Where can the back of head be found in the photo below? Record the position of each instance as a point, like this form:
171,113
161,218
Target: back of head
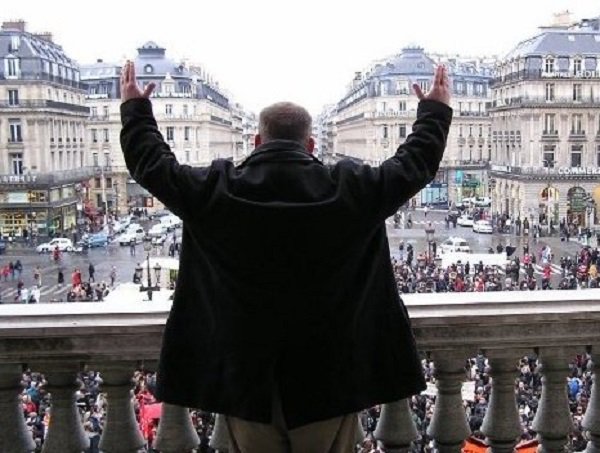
284,121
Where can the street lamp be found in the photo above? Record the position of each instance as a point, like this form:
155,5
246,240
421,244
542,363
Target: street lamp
149,288
430,234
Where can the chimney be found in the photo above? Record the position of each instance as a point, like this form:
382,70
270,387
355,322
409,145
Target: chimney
14,25
562,19
99,60
46,36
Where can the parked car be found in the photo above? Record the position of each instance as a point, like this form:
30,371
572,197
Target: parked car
159,213
63,244
482,202
158,230
171,221
132,234
96,240
159,240
483,226
453,245
465,220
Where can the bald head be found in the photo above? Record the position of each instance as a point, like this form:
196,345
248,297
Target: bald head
284,121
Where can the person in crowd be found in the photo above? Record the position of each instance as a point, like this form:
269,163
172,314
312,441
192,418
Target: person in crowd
278,194
61,277
113,276
91,272
37,276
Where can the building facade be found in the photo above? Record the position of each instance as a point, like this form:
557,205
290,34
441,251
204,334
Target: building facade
44,162
194,116
546,126
376,114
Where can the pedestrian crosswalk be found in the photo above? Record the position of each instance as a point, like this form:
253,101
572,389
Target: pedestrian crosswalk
47,292
537,269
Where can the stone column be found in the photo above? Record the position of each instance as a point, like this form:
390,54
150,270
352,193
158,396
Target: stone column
121,431
65,433
501,424
553,420
220,435
449,427
591,420
176,432
14,435
396,429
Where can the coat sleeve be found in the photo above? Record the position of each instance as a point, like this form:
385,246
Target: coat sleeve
183,189
385,188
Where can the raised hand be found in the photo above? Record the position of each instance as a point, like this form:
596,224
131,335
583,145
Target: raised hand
129,86
440,91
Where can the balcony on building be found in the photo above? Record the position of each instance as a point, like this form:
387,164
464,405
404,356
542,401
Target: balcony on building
122,335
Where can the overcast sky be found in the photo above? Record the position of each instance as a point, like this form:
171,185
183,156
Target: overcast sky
305,51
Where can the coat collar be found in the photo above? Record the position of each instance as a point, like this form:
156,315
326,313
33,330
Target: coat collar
279,150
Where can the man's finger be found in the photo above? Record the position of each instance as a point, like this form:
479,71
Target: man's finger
149,89
132,73
418,92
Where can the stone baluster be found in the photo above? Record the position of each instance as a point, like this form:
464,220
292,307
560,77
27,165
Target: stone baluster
220,435
449,427
14,435
591,420
65,434
552,420
501,424
396,429
176,432
121,432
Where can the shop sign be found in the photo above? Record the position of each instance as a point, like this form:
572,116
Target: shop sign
17,179
579,171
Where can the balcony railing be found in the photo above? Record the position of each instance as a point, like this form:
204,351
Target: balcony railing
540,74
45,104
541,101
45,179
117,338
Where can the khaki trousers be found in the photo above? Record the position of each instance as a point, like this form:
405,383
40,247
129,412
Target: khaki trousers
335,435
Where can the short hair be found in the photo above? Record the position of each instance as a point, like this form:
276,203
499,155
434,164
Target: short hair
284,121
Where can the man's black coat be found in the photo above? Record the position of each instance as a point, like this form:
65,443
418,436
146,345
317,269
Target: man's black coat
285,276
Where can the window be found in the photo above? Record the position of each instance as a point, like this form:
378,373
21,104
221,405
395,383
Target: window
107,159
185,110
95,159
187,155
94,135
549,156
97,183
169,109
549,91
577,66
549,64
94,112
424,85
13,97
576,123
170,133
470,130
12,67
549,119
14,127
105,111
481,130
460,130
106,135
402,87
576,151
577,91
385,132
402,131
402,106
383,88
478,88
16,163
597,155
186,133
460,87
15,43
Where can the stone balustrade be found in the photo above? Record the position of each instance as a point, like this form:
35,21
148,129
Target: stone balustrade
116,338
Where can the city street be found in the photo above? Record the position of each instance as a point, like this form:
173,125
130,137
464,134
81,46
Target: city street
479,243
102,258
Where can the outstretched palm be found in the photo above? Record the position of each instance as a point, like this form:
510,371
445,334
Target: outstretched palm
129,86
440,91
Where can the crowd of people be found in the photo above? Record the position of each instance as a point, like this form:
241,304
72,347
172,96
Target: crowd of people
528,390
422,274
